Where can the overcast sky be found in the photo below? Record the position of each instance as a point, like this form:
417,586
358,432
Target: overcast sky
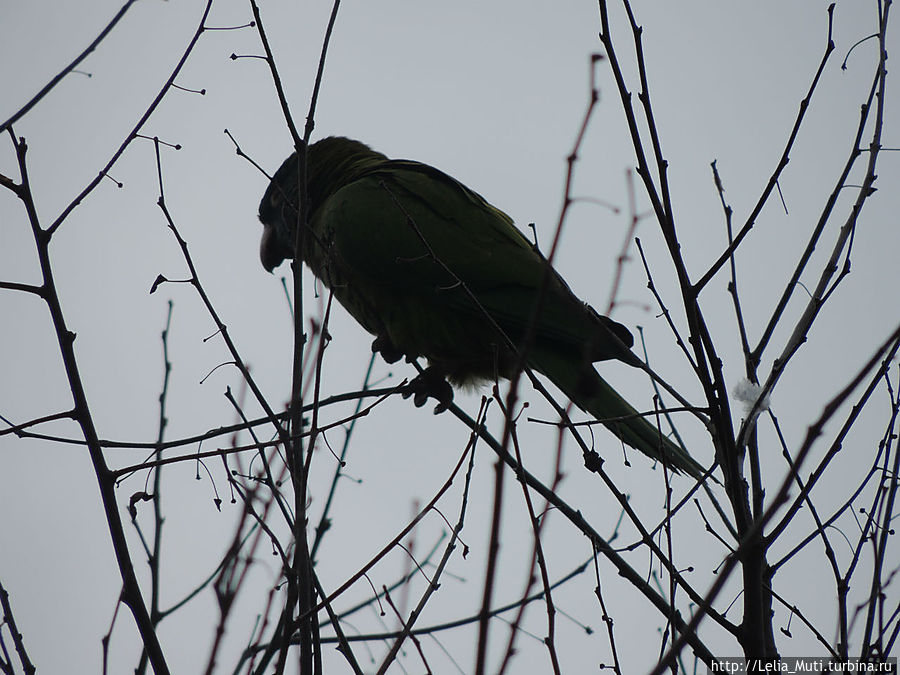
492,93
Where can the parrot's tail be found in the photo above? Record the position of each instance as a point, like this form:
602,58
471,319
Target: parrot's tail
591,393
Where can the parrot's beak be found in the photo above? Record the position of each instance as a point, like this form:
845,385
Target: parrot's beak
271,252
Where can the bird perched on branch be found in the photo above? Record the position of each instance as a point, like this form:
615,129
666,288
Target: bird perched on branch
431,269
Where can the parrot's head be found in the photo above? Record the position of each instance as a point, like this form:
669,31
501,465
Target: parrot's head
330,163
278,213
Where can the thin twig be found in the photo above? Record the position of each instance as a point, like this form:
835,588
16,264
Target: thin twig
47,88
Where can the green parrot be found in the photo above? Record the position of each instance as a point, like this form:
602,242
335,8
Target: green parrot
431,269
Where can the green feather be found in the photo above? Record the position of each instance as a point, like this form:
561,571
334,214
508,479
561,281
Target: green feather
594,395
426,264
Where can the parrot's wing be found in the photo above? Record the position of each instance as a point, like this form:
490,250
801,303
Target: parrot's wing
409,227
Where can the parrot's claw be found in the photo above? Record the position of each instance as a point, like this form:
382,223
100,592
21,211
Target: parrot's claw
430,382
383,345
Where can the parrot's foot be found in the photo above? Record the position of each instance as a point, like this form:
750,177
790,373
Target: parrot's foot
430,382
389,352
